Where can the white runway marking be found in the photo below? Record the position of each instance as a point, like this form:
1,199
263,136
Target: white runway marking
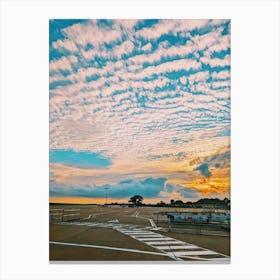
177,247
155,239
132,232
167,245
136,214
219,259
146,234
164,242
114,221
193,253
152,223
108,248
78,214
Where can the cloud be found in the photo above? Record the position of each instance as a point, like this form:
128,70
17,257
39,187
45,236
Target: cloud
144,92
148,188
63,63
95,34
183,80
221,75
66,45
203,169
216,62
220,159
170,66
125,48
170,27
198,77
147,47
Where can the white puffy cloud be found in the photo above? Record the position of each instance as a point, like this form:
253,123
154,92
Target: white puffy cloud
64,63
66,44
170,26
198,76
125,48
132,110
183,80
147,47
221,75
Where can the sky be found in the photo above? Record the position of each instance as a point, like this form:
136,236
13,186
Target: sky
139,107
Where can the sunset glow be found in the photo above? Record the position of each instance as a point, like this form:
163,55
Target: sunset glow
139,107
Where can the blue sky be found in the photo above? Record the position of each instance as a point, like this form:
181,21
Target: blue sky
140,100
81,159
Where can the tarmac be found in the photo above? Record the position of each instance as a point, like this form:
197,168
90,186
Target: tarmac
117,234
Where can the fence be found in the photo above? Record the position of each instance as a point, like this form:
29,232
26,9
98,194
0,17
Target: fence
64,215
195,222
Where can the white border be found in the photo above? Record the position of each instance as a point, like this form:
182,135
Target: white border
24,137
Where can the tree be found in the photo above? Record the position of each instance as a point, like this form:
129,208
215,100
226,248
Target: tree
178,202
161,203
136,199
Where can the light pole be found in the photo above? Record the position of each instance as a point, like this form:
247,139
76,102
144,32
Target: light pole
123,196
106,189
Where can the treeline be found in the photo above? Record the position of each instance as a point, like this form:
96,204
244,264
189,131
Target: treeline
201,203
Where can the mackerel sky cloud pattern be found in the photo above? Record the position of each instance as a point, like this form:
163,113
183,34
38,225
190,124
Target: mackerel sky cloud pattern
142,101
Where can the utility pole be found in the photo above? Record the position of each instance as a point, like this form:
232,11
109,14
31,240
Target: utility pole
106,189
123,196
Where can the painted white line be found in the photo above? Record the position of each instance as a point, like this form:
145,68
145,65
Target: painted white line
155,239
133,232
219,259
89,216
164,242
147,233
160,242
152,223
193,253
176,247
71,215
114,221
145,236
106,226
135,214
137,232
109,248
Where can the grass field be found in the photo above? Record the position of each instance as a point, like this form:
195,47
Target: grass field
128,234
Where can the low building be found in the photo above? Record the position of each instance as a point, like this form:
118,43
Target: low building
198,217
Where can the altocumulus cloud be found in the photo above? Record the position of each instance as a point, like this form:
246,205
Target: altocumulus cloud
219,160
148,92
